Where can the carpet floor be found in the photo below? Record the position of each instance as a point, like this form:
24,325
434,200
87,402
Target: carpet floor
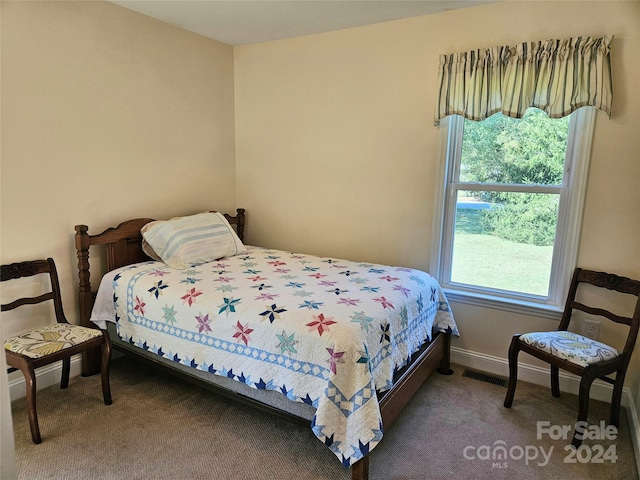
160,427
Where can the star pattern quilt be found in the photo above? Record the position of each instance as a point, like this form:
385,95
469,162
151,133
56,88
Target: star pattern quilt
322,331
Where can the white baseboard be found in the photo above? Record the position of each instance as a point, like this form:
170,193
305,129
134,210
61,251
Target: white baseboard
45,377
540,376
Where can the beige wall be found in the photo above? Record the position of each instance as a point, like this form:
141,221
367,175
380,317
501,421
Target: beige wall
107,115
336,150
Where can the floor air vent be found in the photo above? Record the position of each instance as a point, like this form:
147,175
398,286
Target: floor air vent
485,378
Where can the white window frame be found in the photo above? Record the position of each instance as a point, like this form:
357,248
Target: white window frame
570,210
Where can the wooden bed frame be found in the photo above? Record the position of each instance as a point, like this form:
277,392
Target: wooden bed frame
123,246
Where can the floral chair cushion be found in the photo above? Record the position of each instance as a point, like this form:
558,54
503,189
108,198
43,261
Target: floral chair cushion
50,339
570,346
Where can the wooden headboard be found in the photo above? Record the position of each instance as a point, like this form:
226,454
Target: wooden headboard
123,246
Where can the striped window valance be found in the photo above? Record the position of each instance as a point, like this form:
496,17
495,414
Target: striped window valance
556,76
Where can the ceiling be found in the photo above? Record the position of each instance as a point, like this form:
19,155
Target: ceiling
240,22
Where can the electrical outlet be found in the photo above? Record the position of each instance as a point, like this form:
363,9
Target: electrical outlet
590,328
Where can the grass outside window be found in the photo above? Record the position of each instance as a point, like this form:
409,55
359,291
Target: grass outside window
484,259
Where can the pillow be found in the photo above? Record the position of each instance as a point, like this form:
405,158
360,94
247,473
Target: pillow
185,241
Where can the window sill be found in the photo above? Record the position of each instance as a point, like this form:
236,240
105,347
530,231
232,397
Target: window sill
523,307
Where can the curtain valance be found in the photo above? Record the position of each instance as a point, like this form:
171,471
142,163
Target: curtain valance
557,76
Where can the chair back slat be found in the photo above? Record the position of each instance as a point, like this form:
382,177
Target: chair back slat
602,313
28,301
610,281
23,269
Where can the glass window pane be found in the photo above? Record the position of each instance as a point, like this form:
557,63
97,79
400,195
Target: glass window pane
504,240
526,151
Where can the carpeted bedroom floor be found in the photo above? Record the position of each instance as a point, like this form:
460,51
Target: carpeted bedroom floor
163,428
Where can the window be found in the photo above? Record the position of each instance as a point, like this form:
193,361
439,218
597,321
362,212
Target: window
509,208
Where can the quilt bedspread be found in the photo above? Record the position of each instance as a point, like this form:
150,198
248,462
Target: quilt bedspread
322,331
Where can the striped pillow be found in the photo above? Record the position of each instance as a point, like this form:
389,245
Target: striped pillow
185,241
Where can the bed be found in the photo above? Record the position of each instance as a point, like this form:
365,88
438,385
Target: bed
340,345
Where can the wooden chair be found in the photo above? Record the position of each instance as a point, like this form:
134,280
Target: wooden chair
45,345
580,355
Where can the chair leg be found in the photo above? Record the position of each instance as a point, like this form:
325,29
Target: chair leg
583,408
615,400
555,381
30,385
514,349
106,360
66,368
